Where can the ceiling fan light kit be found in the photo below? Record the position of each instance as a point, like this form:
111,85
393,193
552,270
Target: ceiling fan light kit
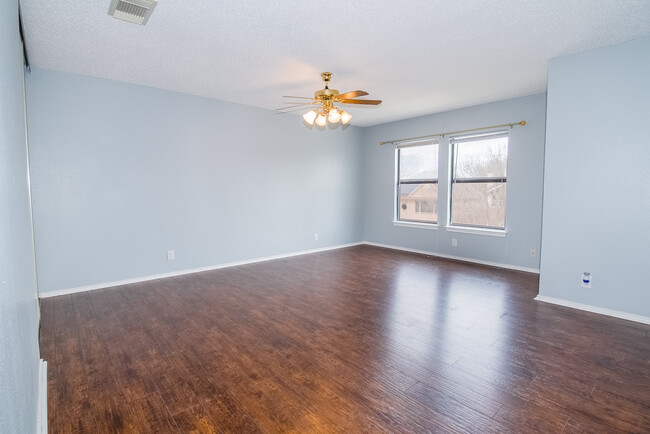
334,116
327,111
310,117
345,117
321,120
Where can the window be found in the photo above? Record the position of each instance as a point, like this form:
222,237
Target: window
478,180
417,182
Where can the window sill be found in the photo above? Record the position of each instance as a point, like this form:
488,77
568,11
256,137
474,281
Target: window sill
432,226
478,231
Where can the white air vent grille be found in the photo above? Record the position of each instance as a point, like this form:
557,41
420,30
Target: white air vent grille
129,8
133,11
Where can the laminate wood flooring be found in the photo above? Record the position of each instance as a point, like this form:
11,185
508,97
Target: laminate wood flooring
361,339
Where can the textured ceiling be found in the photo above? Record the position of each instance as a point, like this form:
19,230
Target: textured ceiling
420,57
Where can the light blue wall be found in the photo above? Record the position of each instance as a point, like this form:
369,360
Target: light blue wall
596,194
122,173
19,353
524,194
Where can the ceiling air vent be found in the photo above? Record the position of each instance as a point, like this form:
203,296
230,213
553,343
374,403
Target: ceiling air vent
133,11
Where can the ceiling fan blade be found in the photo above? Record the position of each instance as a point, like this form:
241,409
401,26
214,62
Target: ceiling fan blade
361,101
352,94
299,97
295,109
297,105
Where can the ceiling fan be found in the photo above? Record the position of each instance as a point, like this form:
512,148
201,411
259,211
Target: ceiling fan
324,101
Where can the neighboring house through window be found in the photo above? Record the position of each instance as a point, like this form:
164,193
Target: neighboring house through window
417,182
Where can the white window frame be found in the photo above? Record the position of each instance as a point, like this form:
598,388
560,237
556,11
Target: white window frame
456,227
397,183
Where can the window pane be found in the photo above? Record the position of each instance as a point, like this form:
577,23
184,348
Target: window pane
482,158
479,204
418,162
417,202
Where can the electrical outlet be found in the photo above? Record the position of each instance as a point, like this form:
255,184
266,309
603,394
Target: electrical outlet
585,282
315,237
533,253
170,255
454,242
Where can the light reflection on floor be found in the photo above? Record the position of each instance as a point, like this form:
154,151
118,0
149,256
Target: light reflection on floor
439,318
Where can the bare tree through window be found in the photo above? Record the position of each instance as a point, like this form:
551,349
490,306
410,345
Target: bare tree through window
478,184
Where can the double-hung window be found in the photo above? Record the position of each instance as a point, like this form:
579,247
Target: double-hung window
417,182
479,167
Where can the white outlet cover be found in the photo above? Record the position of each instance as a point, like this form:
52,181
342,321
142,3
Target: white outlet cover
170,255
454,242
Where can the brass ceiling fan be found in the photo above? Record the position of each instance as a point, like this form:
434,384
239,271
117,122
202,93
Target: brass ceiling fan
324,100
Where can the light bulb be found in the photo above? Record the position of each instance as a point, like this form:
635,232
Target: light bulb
345,117
334,116
321,120
309,117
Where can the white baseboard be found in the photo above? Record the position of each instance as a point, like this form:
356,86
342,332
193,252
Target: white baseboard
456,258
41,417
594,309
66,291
188,271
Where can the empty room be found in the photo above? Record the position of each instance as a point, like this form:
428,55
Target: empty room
264,217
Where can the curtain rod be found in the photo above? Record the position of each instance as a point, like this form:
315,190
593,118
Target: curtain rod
454,132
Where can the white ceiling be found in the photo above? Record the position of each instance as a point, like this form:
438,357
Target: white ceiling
419,57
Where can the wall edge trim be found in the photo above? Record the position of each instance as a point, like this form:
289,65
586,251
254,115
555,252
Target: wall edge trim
85,288
456,258
41,416
594,309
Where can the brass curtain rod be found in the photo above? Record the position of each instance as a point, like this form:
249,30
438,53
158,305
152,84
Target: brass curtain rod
454,132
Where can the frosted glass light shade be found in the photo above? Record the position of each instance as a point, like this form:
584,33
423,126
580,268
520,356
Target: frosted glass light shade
321,120
334,116
345,117
309,117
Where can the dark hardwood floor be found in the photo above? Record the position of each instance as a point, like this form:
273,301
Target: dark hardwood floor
361,339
